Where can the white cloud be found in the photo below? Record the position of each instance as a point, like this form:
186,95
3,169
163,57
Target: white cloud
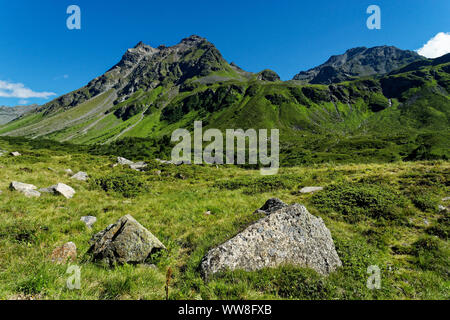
23,101
18,90
436,46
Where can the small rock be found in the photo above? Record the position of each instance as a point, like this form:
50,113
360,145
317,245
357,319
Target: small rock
89,220
15,154
124,161
47,190
208,213
30,193
69,171
67,252
64,190
310,189
446,199
81,176
426,222
271,205
126,241
443,208
138,166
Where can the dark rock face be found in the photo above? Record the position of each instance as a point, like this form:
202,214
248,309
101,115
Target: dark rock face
268,75
289,236
359,62
125,241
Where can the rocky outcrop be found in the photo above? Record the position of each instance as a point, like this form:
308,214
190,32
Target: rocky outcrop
289,236
125,241
359,62
268,75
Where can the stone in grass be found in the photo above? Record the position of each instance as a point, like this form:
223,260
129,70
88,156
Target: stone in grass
271,205
289,236
28,190
19,186
446,199
138,166
80,176
89,221
65,253
47,190
125,241
124,161
310,189
15,154
69,171
64,190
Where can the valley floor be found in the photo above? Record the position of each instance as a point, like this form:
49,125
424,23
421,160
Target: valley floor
378,214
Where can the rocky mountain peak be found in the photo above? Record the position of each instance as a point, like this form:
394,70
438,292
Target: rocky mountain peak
359,62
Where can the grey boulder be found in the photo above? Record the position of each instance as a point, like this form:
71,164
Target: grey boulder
125,241
289,236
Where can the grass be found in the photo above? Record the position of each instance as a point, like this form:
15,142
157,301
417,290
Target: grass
378,214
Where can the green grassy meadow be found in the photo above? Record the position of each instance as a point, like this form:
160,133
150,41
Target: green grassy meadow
383,214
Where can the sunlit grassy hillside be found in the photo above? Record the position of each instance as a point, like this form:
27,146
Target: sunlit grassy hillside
379,214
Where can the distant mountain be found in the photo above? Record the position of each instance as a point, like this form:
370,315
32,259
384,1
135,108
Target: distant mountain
8,114
153,91
359,62
144,68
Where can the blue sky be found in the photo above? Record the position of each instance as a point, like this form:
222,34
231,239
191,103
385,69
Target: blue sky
40,56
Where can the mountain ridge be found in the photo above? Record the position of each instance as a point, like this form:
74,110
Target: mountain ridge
358,62
152,91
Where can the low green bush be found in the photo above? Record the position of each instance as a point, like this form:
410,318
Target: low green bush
127,184
252,185
356,201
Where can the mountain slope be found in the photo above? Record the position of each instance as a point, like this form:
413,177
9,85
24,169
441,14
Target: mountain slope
152,92
359,62
8,114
